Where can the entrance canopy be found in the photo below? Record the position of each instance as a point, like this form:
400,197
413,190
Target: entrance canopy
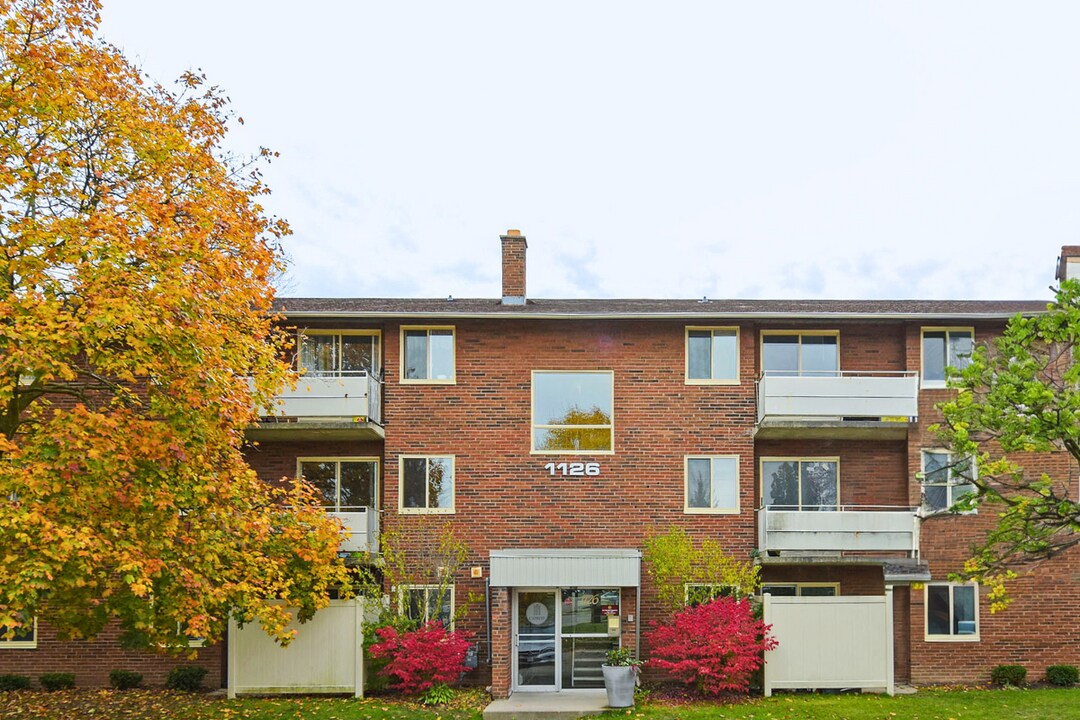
566,568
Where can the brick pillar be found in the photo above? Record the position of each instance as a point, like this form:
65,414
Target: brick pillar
513,267
501,629
902,633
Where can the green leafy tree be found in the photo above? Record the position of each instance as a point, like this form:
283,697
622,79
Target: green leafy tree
136,341
687,574
1020,399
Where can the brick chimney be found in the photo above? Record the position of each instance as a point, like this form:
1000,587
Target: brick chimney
513,267
1068,263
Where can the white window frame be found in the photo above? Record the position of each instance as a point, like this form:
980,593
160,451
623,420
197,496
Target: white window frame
533,426
312,332
402,591
452,380
950,637
339,460
715,590
21,644
427,510
801,334
937,384
713,330
949,485
797,459
800,586
687,509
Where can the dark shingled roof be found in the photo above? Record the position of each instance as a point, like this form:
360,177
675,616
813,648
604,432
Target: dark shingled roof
474,307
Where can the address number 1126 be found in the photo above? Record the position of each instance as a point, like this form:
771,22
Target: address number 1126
590,469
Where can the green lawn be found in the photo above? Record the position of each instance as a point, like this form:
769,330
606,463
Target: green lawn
927,705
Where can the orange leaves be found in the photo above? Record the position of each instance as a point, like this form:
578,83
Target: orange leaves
134,303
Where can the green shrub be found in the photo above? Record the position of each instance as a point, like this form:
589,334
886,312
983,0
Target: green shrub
125,679
57,681
1008,675
14,682
437,695
186,677
1062,675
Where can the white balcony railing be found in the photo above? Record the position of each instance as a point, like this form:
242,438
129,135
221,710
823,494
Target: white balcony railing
838,395
873,528
329,398
362,525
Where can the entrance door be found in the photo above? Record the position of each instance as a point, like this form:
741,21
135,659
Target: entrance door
562,637
535,623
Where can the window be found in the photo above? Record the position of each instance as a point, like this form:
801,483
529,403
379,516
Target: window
427,484
338,353
712,484
946,478
800,483
944,347
21,638
345,484
800,353
701,593
801,589
427,355
572,412
952,612
712,356
428,602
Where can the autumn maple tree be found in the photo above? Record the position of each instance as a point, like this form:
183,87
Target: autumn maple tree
135,342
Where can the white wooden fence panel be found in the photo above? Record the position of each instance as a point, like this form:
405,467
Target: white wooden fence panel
830,642
325,657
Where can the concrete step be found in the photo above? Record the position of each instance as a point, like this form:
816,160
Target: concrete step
563,705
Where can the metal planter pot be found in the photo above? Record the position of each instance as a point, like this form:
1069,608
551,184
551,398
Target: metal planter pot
619,681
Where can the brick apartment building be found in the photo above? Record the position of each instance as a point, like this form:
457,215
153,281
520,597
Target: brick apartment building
554,435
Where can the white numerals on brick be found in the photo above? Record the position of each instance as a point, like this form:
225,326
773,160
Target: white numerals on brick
576,469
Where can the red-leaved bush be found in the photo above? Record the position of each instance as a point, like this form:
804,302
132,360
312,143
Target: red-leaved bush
716,646
421,658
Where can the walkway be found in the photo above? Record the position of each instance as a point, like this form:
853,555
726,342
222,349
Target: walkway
565,705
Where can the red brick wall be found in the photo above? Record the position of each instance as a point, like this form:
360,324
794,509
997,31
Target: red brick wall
506,499
1042,625
92,660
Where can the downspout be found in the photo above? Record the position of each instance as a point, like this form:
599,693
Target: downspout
487,618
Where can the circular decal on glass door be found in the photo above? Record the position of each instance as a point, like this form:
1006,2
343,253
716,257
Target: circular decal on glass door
537,613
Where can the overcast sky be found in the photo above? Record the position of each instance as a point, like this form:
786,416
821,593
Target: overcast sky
745,150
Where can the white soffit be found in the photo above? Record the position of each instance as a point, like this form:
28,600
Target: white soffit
588,568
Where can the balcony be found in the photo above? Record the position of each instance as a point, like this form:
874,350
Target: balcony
363,527
862,528
844,405
346,407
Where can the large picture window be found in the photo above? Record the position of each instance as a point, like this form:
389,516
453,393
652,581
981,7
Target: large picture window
427,484
572,412
952,612
800,483
325,353
712,356
944,347
712,484
427,355
946,478
345,484
800,353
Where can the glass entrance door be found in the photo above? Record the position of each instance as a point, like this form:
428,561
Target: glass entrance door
535,621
